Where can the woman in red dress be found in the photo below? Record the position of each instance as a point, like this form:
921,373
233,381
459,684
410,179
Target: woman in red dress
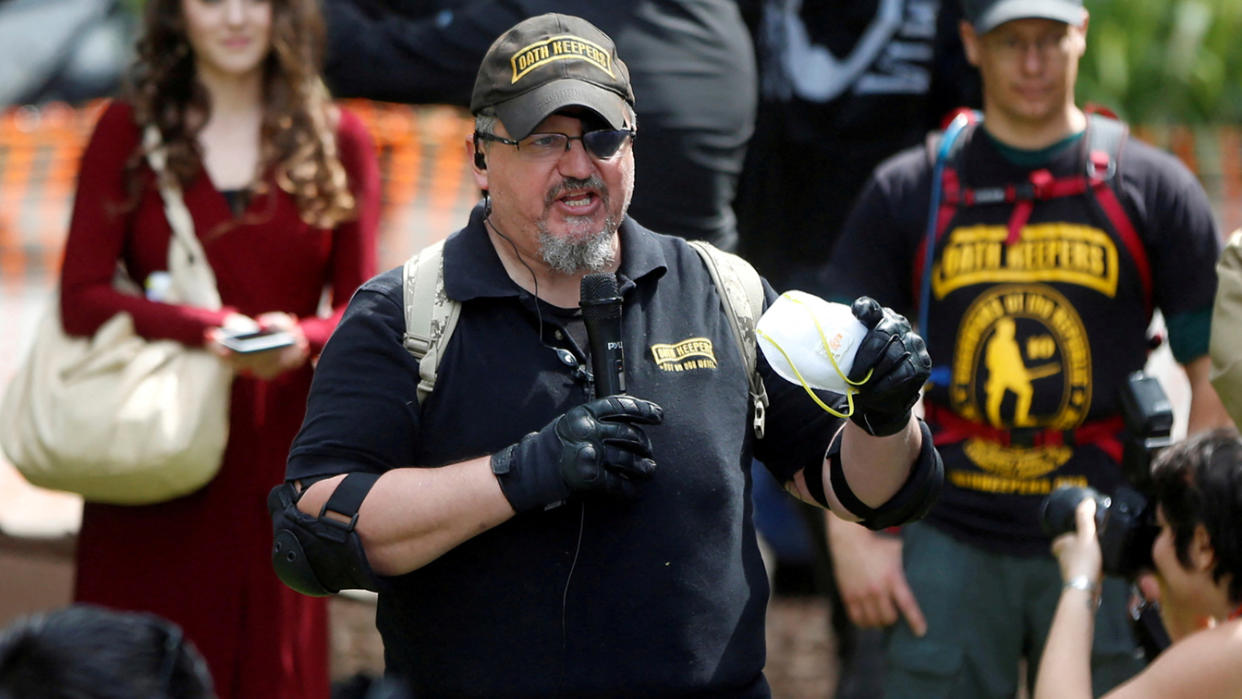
284,192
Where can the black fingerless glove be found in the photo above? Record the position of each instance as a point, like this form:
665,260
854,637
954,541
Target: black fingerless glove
899,364
596,447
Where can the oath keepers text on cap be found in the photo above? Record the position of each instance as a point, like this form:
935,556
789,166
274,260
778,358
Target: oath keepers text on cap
559,48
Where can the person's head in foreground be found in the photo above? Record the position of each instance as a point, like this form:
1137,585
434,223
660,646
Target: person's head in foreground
88,652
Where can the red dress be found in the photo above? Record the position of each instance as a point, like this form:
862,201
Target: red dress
203,560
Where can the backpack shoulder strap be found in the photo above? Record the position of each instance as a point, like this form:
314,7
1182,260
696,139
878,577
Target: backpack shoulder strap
1105,138
741,295
943,152
1105,134
430,315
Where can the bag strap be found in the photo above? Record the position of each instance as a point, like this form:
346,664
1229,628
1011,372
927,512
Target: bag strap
942,152
430,315
741,295
1104,139
193,280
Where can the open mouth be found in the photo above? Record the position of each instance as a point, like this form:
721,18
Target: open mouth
578,200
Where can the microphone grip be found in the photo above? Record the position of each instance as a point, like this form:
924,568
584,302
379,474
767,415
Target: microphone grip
600,302
607,358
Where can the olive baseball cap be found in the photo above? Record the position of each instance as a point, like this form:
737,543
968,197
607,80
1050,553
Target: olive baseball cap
550,62
987,15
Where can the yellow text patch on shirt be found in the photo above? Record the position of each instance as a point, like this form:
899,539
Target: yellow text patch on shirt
1046,252
691,353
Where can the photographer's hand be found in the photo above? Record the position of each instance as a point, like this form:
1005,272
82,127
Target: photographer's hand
1065,666
1078,551
597,447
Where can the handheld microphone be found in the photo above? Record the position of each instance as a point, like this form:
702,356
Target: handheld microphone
601,312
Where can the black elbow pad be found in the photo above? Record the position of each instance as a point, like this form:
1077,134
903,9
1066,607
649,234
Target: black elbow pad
321,555
910,503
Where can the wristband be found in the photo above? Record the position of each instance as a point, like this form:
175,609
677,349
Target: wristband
1084,583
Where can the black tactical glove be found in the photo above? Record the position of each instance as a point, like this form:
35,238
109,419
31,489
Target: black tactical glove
899,364
595,447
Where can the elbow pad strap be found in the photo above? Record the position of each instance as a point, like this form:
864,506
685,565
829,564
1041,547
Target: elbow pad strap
910,503
814,473
321,555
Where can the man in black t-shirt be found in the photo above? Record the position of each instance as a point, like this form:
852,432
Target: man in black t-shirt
843,84
1035,303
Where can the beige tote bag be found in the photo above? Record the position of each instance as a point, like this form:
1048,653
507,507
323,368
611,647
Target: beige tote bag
117,418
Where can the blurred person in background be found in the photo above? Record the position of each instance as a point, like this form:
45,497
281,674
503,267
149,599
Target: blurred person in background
62,50
1197,556
283,189
1227,328
1034,273
843,85
88,652
691,61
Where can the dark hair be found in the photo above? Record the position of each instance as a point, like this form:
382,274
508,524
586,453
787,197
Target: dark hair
88,652
297,134
1199,481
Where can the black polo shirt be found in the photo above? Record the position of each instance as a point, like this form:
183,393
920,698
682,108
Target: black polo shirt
662,595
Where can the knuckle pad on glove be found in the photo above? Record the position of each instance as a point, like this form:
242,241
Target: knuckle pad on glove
867,310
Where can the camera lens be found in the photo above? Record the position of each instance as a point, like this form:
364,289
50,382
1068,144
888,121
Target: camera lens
1057,514
1123,523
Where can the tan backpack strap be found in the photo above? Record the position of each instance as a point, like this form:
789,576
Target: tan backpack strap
430,315
741,294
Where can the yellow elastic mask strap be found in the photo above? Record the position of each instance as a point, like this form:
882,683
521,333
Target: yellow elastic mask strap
823,339
849,394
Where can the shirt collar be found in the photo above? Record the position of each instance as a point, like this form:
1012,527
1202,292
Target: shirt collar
473,270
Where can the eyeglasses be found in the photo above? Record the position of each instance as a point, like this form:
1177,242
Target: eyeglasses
602,144
1011,46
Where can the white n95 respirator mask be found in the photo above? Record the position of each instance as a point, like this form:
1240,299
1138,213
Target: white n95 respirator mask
812,342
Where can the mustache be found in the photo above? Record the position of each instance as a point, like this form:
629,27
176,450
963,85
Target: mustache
572,183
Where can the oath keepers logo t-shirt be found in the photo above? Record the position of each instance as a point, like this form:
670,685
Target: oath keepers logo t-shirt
1022,354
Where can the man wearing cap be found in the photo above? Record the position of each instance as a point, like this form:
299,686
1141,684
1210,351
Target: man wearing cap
527,537
1033,273
692,61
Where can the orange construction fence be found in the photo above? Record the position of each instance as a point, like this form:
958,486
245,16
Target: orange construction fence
426,179
427,186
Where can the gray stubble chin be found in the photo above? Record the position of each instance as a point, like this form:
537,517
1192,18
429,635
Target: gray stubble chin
593,253
590,253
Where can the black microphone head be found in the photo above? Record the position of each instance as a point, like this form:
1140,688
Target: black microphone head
599,291
598,288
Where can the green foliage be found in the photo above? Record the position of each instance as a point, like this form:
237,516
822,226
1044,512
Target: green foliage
1165,61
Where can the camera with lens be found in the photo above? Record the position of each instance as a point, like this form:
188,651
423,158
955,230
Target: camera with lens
1125,521
1125,524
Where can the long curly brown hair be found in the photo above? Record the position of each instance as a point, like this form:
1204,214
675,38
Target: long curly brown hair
297,133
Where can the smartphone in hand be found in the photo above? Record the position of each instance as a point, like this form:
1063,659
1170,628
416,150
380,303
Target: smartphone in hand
256,341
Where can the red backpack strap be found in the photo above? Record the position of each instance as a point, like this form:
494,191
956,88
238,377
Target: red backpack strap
1104,139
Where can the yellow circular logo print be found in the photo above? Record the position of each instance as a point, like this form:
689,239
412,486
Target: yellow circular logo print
1022,360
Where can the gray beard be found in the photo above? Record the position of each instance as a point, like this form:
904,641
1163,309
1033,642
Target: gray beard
592,253
568,256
